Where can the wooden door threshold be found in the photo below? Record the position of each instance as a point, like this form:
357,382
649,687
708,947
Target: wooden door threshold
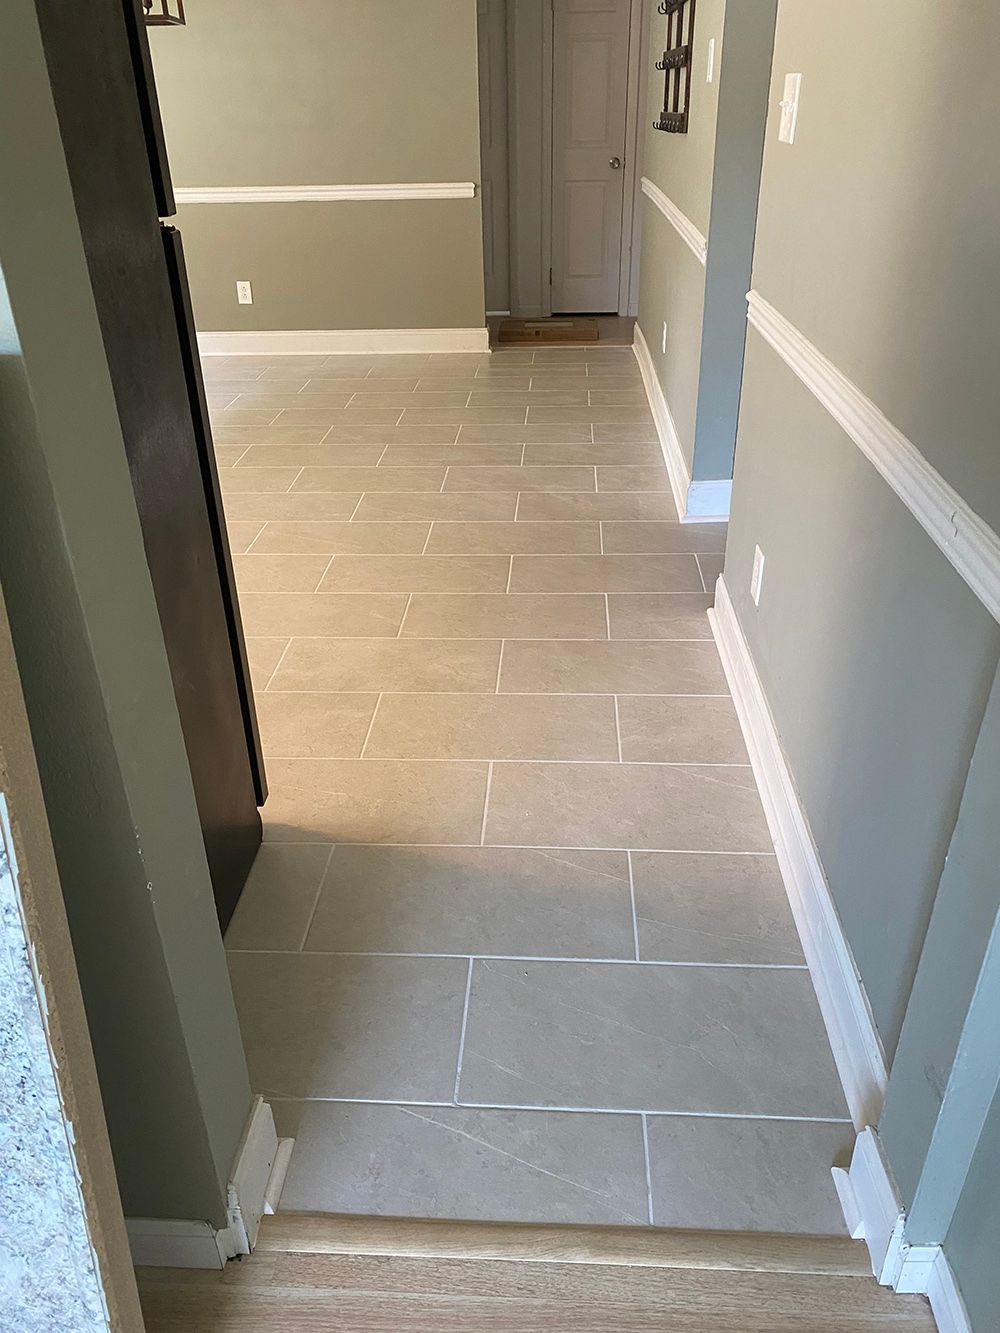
642,1247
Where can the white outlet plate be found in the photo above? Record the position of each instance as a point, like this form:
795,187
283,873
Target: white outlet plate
710,70
244,293
790,108
757,575
663,340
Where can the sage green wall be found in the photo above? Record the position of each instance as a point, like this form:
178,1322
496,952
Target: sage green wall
99,696
973,1239
712,175
876,657
327,92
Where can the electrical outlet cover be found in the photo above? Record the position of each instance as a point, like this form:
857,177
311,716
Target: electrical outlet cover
757,575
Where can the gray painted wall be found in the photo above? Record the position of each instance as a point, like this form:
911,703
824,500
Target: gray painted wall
973,1241
712,175
99,696
327,92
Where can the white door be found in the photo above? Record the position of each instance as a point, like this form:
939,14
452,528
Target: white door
590,42
493,147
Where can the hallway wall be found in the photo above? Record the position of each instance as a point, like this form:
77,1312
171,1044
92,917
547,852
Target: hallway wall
327,92
711,175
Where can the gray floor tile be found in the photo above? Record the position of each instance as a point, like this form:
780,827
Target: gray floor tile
501,1166
316,1025
693,908
278,898
747,1175
646,1037
676,615
687,730
484,900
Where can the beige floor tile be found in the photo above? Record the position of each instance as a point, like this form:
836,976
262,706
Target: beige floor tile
352,384
476,508
544,616
712,909
322,614
428,399
513,538
369,479
257,478
416,416
608,416
632,433
417,573
632,479
323,416
478,455
389,664
242,535
228,455
277,902
489,726
604,573
483,382
484,900
520,479
541,397
501,434
263,655
617,397
321,726
269,507
354,432
681,730
611,667
269,396
711,569
245,416
636,537
337,538
368,800
279,573
312,455
747,1175
614,380
707,1039
660,616
628,455
434,1161
569,508
626,805
226,435
227,368
319,1026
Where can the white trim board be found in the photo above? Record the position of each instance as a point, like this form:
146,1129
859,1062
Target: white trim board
254,1188
966,539
367,342
874,1212
321,194
681,223
696,501
842,1000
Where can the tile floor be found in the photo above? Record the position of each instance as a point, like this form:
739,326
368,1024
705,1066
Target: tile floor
516,946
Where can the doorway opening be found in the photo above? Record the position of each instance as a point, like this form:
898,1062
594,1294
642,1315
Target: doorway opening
560,90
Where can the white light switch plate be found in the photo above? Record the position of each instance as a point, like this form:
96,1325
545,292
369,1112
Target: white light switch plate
790,108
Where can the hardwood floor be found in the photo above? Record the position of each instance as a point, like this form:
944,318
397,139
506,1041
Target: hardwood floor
311,1274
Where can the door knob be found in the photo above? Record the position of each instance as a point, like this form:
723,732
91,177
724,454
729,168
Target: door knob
615,162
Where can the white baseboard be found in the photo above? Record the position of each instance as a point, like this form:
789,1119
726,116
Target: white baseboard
696,501
842,1000
874,1212
255,1184
326,342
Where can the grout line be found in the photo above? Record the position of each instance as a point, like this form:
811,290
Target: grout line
649,1175
542,847
381,455
356,507
399,633
631,897
485,759
257,538
371,723
288,488
486,804
444,482
600,529
277,665
510,574
465,1024
704,586
517,506
618,728
607,619
322,576
572,1110
528,957
499,668
430,529
319,891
